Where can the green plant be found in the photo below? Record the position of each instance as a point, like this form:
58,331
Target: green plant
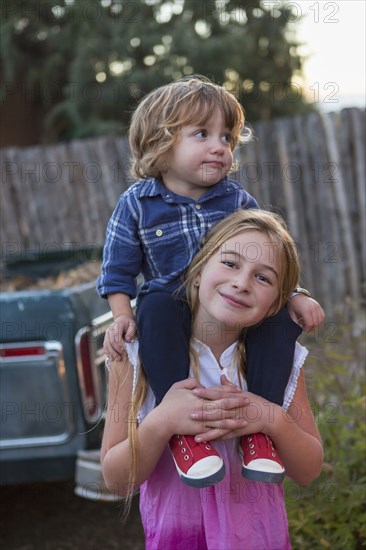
88,62
331,512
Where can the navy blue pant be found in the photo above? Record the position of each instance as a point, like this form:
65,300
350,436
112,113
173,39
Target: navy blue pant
164,327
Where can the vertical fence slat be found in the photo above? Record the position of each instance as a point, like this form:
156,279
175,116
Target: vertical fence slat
98,171
111,173
11,236
248,174
263,167
319,160
15,157
295,174
307,203
80,190
32,189
342,205
67,208
286,183
47,198
358,141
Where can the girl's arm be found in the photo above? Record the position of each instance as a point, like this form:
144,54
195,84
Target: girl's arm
173,415
296,437
152,433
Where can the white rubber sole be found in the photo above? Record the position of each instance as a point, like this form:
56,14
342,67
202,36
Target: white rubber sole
205,474
263,470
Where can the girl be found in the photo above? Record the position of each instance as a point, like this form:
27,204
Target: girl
244,272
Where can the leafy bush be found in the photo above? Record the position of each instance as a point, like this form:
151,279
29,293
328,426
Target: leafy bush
331,512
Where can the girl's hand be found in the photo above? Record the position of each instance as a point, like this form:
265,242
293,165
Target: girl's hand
251,412
221,411
178,407
122,329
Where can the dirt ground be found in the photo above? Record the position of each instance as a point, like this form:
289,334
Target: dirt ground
48,516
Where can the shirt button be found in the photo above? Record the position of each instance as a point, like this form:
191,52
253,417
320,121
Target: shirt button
158,232
198,207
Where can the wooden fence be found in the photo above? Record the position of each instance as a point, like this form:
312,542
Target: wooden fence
310,169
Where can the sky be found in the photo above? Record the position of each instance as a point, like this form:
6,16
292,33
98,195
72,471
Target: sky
334,43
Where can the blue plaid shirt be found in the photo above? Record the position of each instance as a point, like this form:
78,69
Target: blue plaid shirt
156,233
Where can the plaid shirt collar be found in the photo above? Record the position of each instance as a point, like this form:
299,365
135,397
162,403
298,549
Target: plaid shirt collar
153,187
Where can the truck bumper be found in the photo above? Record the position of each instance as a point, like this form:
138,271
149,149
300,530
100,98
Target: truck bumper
89,478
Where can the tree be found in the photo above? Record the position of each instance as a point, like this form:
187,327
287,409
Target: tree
88,62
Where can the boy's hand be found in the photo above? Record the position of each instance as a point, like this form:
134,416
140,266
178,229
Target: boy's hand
122,329
306,312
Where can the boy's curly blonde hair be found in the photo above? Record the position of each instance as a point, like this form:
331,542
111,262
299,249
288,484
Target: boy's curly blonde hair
163,112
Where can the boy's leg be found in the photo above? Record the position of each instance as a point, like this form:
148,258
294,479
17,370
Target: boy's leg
164,331
164,325
270,349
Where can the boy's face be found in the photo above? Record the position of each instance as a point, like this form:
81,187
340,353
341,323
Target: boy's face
200,158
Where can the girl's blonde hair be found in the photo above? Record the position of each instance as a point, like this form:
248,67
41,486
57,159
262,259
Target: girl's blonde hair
161,114
284,247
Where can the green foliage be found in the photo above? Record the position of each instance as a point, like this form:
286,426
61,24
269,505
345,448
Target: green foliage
331,512
89,61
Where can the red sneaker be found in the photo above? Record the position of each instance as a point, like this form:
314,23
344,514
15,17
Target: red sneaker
260,459
198,464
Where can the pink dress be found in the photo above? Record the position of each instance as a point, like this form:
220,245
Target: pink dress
235,514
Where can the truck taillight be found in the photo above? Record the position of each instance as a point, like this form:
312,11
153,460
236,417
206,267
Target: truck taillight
86,366
15,352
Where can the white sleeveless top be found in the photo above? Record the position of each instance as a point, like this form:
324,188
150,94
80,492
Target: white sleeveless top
210,371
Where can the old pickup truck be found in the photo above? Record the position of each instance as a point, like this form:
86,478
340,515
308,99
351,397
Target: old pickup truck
52,368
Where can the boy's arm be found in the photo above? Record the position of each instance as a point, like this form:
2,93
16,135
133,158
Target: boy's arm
122,260
306,311
122,253
120,305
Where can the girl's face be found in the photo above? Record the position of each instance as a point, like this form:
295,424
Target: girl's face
237,286
200,158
